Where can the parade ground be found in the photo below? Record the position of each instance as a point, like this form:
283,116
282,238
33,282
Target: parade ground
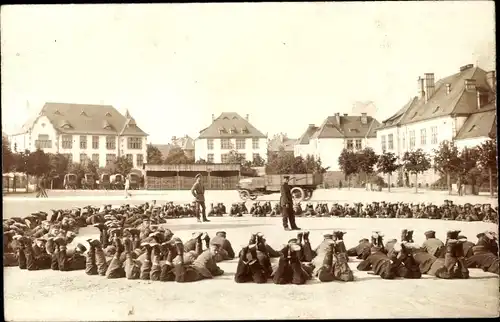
64,296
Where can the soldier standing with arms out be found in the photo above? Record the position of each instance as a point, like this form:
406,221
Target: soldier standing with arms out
198,192
286,203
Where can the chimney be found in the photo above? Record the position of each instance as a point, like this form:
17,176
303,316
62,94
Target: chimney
345,114
491,80
248,117
466,67
364,118
429,85
470,85
337,117
421,89
448,89
213,117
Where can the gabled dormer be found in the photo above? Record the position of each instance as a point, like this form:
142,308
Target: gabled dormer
106,125
65,125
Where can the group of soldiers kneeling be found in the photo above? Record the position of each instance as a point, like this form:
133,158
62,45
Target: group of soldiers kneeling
447,211
132,246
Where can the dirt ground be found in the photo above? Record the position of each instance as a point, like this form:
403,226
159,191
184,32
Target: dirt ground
70,296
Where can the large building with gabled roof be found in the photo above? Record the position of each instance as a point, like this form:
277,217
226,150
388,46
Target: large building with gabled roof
230,132
460,108
83,132
354,132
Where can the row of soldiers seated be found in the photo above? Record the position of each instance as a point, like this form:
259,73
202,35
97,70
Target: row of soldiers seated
131,246
447,211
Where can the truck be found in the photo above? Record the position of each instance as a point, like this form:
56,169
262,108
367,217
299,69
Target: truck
302,185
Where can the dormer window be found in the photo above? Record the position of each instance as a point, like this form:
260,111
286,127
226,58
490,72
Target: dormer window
83,113
108,114
107,126
436,109
57,112
225,118
65,125
235,117
222,130
353,130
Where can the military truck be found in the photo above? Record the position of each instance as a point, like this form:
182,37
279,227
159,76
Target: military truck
303,185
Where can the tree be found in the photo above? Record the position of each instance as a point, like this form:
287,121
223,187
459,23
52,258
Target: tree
416,162
348,164
258,161
387,164
487,160
235,157
38,164
8,160
78,169
177,156
366,160
201,161
446,161
467,162
123,166
154,155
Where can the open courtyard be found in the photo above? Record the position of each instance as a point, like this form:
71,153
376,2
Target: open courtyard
63,296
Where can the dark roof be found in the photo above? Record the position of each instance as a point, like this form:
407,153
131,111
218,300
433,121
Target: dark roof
85,118
230,125
185,142
479,124
304,138
458,101
347,127
278,142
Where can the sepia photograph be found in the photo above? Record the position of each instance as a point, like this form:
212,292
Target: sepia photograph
242,161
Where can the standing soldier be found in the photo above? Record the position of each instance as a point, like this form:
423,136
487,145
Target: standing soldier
198,192
127,187
286,204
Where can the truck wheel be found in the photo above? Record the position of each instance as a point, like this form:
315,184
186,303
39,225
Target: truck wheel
308,194
297,194
244,194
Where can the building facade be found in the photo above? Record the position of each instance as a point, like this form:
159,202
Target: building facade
186,143
336,133
281,143
83,132
459,108
230,132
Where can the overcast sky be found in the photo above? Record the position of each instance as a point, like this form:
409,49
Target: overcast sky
287,65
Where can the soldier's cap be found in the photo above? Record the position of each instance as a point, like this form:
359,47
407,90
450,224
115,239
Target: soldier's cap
430,233
363,240
286,177
462,237
293,241
328,235
198,176
221,233
467,204
81,248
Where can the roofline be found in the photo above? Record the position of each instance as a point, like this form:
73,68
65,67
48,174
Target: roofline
231,137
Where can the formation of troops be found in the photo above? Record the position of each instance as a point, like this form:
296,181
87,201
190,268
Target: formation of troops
134,245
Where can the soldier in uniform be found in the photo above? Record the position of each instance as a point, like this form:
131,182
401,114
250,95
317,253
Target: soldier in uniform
485,254
226,251
432,244
198,192
286,203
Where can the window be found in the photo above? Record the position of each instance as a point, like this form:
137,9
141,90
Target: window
404,141
139,160
95,159
69,157
134,143
83,158
243,157
224,157
130,158
256,156
210,144
83,142
423,136
434,135
390,141
95,142
110,142
210,158
225,144
43,142
382,138
110,158
349,145
412,139
255,144
358,145
240,144
67,141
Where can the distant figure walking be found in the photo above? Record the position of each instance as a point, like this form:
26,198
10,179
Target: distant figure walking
198,192
127,187
41,188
